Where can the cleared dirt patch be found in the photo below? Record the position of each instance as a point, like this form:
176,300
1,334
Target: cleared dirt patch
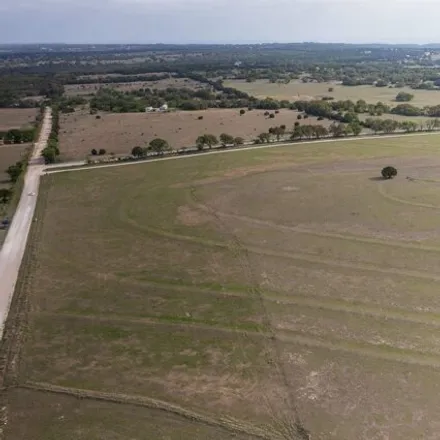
17,118
119,133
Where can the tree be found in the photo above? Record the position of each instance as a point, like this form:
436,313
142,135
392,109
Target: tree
102,151
389,172
264,137
356,128
159,145
137,152
238,141
242,112
319,131
330,89
404,97
408,126
207,139
272,116
5,195
94,152
278,132
337,130
389,126
226,139
14,171
49,155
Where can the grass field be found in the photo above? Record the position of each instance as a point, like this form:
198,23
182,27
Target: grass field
16,118
296,91
240,290
118,133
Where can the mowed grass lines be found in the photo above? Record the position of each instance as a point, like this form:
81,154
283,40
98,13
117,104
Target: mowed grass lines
297,90
245,285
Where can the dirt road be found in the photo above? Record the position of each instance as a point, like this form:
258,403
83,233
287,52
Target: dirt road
14,246
77,166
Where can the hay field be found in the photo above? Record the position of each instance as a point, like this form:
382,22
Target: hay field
17,118
236,287
297,90
118,133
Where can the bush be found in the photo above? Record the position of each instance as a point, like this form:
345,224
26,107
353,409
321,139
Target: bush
296,124
102,152
320,118
306,116
242,112
98,117
330,89
272,116
266,113
404,97
299,117
200,118
389,172
277,112
283,127
94,152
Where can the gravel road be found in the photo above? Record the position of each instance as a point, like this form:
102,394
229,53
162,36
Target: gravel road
14,246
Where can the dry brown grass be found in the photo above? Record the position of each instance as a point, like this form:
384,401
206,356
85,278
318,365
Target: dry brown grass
220,283
298,90
16,118
119,133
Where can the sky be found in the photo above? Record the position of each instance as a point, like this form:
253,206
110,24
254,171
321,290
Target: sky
219,21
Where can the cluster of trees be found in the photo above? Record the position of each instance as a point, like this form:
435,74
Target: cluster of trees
52,151
158,146
108,99
14,171
404,97
390,125
17,136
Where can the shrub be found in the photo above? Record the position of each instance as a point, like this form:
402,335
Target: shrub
277,112
272,116
389,172
299,117
94,152
306,116
296,124
320,118
200,118
98,117
266,113
283,127
102,152
242,112
330,89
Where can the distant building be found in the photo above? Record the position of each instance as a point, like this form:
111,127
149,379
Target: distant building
149,109
164,108
238,63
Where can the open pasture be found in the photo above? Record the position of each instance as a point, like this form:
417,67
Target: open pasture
250,288
16,118
297,91
118,133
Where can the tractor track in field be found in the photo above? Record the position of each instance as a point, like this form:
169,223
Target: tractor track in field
226,423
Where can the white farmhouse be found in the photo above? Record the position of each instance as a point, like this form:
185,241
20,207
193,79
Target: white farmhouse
164,108
149,109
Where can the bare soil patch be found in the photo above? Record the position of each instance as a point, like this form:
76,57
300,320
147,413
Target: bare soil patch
118,133
16,118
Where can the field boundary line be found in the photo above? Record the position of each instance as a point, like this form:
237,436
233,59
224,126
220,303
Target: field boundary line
405,202
253,147
227,423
